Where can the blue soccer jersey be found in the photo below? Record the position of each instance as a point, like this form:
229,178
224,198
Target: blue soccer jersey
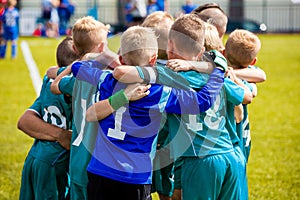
125,143
11,23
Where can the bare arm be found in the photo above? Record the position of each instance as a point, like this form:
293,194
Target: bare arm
127,74
253,75
238,113
31,124
103,108
52,72
254,89
184,65
107,58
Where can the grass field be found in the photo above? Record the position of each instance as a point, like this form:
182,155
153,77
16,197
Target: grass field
274,165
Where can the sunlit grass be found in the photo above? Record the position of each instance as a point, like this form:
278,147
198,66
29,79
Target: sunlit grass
274,164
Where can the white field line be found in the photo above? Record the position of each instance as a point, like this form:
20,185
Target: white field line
33,70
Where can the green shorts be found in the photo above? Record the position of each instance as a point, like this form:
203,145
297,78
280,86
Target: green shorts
41,180
242,173
211,177
78,192
163,175
177,173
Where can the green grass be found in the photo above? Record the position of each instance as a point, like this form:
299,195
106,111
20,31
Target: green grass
274,165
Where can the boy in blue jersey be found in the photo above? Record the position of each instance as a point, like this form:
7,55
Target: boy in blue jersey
10,20
45,171
118,160
90,37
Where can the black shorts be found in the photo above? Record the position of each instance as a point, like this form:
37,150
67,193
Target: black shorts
102,188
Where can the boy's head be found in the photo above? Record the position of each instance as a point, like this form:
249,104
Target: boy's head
138,46
212,40
161,23
186,38
11,3
213,13
65,54
89,35
241,48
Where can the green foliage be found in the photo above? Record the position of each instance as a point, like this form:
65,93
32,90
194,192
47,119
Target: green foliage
273,169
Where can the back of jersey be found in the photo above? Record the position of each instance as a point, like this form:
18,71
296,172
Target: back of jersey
55,110
201,134
84,133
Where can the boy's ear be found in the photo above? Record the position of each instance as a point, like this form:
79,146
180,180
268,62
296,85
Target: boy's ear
75,50
223,52
171,49
199,55
152,60
121,60
253,61
101,47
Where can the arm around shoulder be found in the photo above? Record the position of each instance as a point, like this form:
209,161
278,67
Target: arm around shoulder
255,75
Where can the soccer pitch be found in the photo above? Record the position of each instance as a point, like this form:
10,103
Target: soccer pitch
274,163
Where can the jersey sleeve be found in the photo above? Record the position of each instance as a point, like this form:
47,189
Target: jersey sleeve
192,102
246,83
88,71
234,93
170,78
60,70
36,107
66,84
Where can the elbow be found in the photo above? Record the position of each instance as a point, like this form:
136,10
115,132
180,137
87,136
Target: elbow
118,73
263,78
54,88
247,99
21,123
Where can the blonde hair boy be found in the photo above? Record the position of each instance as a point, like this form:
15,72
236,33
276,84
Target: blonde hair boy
89,35
138,46
212,40
161,23
241,48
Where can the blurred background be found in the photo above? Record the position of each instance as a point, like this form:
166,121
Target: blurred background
272,16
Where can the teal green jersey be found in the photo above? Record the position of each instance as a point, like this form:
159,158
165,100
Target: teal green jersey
55,110
83,133
230,120
205,133
243,129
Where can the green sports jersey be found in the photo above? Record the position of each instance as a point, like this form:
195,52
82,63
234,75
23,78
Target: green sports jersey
56,110
230,120
45,171
84,133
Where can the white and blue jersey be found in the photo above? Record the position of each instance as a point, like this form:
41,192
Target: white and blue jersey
11,24
125,144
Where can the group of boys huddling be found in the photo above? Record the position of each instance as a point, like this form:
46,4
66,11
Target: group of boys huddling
168,114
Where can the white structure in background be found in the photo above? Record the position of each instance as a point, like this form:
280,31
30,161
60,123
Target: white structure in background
28,20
